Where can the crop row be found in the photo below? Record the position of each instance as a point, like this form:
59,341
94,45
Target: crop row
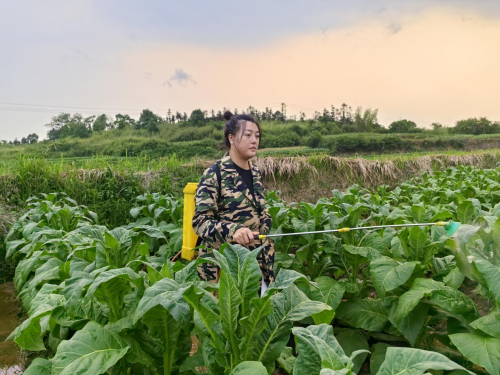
387,301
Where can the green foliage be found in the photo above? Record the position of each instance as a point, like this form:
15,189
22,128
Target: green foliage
65,125
314,139
476,126
197,118
388,289
403,126
148,121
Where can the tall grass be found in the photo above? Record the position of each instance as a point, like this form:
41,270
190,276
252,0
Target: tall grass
107,189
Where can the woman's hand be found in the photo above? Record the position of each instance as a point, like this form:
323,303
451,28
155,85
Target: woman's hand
244,236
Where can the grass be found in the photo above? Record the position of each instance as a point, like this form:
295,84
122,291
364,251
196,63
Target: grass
8,216
109,185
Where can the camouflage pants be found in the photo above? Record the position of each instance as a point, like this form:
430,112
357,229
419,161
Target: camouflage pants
210,272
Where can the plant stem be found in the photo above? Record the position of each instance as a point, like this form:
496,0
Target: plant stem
166,353
310,264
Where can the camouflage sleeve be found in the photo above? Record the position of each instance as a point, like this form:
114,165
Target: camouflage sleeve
265,217
265,221
205,221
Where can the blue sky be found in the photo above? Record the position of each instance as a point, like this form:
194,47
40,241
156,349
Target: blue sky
131,55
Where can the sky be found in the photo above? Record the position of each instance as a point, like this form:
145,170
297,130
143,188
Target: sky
422,60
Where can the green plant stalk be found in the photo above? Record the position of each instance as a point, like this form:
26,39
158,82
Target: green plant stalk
166,354
310,261
355,274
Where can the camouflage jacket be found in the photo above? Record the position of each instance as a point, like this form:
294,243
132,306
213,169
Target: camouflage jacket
216,219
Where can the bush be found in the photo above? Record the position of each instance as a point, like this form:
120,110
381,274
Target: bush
288,139
314,140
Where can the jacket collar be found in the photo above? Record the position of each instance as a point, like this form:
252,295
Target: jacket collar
227,165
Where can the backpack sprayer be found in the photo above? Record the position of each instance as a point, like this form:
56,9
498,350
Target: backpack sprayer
189,237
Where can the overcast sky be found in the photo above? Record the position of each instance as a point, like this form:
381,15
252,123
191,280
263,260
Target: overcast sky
424,60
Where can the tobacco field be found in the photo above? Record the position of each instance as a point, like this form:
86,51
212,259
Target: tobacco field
409,301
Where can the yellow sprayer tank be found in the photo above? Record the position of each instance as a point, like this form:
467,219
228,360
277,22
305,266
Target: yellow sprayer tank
189,237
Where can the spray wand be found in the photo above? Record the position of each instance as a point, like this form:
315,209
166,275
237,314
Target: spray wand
449,226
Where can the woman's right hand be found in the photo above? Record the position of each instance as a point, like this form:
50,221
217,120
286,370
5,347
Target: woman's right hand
244,236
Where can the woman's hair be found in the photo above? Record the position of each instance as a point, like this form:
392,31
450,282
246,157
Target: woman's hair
236,123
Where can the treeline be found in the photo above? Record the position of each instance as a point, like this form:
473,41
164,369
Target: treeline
281,130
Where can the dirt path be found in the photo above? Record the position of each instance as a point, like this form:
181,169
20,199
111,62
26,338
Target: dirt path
10,359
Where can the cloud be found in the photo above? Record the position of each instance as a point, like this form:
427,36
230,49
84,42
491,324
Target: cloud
394,28
76,54
180,77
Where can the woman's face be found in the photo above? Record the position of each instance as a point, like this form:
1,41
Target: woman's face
247,140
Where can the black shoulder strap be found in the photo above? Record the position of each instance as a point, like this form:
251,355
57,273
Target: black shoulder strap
219,187
219,179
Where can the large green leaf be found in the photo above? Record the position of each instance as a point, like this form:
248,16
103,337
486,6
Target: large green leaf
352,340
367,314
483,351
489,324
388,274
286,360
73,289
364,252
245,271
454,279
287,307
329,291
465,212
230,298
411,324
317,348
418,243
249,368
25,267
29,335
39,366
91,351
491,275
49,271
176,344
378,356
168,294
254,323
110,288
408,361
419,289
205,314
327,371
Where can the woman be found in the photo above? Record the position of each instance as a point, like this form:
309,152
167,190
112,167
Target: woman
230,199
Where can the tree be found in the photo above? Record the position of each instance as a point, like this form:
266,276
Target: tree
65,125
365,121
32,138
178,116
403,126
197,118
56,124
476,126
123,121
314,139
148,121
100,123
